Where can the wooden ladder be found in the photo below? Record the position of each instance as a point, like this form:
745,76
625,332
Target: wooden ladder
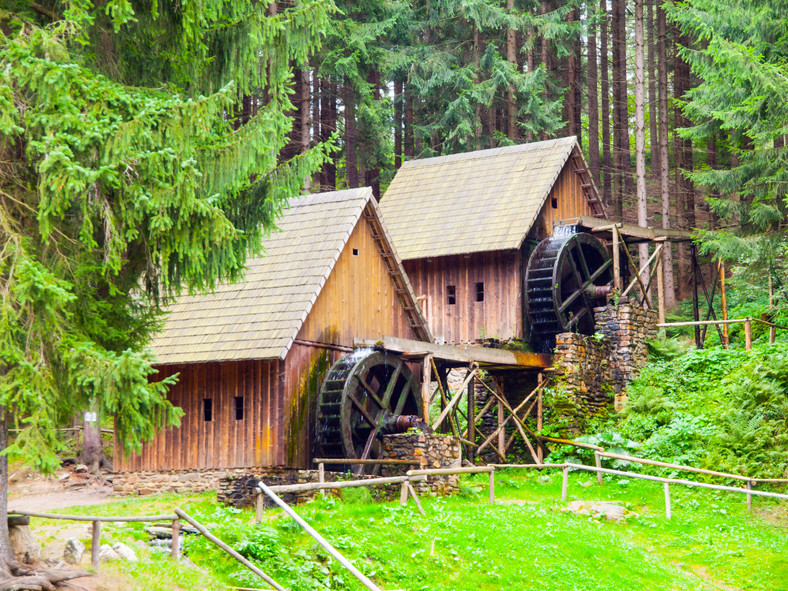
592,197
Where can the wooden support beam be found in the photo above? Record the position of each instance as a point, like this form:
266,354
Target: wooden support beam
661,286
616,259
637,273
724,302
426,384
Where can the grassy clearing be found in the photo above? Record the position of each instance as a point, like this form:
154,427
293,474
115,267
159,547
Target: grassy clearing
523,542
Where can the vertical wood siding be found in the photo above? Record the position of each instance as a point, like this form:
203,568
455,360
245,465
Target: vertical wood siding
570,201
224,441
498,316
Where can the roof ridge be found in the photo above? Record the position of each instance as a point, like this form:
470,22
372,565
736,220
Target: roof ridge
329,197
479,154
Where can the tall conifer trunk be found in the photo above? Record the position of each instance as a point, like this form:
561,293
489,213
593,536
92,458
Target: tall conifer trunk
351,168
604,66
407,139
652,86
667,268
640,130
398,108
511,101
593,102
620,132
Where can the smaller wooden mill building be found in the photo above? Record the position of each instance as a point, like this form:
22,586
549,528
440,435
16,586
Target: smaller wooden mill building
251,356
466,224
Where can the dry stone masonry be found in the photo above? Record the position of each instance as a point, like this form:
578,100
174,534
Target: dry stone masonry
427,452
593,371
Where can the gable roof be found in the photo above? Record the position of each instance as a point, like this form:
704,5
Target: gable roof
259,317
472,202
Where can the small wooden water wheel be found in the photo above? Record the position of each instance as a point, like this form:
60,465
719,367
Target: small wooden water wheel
568,275
365,395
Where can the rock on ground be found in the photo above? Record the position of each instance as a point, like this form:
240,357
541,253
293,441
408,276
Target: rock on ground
107,554
24,545
124,552
609,510
73,552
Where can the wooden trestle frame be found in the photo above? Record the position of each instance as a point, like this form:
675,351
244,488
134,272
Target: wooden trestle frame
436,363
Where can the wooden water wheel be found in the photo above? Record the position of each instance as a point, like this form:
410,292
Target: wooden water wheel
365,395
568,275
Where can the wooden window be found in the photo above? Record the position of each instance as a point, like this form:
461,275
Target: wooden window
355,252
451,295
554,202
207,409
239,408
480,291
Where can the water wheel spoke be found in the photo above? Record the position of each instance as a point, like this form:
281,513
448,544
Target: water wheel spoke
373,422
583,263
369,390
386,402
403,396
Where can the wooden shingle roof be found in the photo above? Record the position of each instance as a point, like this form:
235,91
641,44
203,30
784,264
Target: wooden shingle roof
472,202
259,317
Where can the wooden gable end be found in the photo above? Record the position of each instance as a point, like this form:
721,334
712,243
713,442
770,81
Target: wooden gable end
570,197
359,299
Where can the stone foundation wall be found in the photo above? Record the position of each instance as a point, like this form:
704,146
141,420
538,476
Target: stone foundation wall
592,372
147,482
431,451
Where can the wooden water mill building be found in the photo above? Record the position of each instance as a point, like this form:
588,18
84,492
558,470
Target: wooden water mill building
465,226
252,355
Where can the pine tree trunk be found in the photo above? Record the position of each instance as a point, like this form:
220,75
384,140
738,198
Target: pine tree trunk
398,99
547,61
511,100
652,87
303,118
351,166
620,132
593,102
604,66
372,172
577,85
571,86
6,554
409,147
640,129
667,268
316,177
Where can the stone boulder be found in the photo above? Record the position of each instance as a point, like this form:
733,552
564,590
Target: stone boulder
611,511
72,554
24,545
107,554
124,552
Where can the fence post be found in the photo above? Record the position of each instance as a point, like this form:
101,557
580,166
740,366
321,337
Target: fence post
667,501
403,493
598,462
321,473
176,534
565,483
95,547
258,510
492,487
747,333
749,496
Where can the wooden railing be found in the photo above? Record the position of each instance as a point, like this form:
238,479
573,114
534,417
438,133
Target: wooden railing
725,341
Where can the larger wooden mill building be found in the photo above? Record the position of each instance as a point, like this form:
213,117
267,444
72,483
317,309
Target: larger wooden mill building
252,355
466,224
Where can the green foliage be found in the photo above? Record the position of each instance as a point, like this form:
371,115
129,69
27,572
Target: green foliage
128,177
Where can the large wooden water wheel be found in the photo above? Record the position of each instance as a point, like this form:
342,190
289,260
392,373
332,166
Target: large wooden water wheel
365,395
568,275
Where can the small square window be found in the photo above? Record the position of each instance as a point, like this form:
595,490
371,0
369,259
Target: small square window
207,409
355,252
451,295
554,202
480,291
239,408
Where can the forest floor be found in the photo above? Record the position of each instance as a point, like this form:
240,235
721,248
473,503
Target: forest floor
527,540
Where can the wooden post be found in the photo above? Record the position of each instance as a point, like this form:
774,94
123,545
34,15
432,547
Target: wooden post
695,303
259,507
175,552
565,483
747,334
540,447
95,546
403,493
667,501
415,497
749,496
426,384
616,259
660,288
492,487
471,420
772,329
724,302
321,474
502,432
598,463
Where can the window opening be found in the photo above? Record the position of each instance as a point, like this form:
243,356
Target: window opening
480,291
207,409
239,408
451,294
355,252
554,202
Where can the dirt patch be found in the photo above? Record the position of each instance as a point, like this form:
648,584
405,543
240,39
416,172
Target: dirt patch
68,487
776,515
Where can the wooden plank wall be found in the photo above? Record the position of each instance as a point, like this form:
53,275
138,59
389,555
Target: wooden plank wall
256,440
358,299
498,316
567,195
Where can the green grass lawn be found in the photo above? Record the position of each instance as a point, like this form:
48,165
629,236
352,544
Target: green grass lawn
524,541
